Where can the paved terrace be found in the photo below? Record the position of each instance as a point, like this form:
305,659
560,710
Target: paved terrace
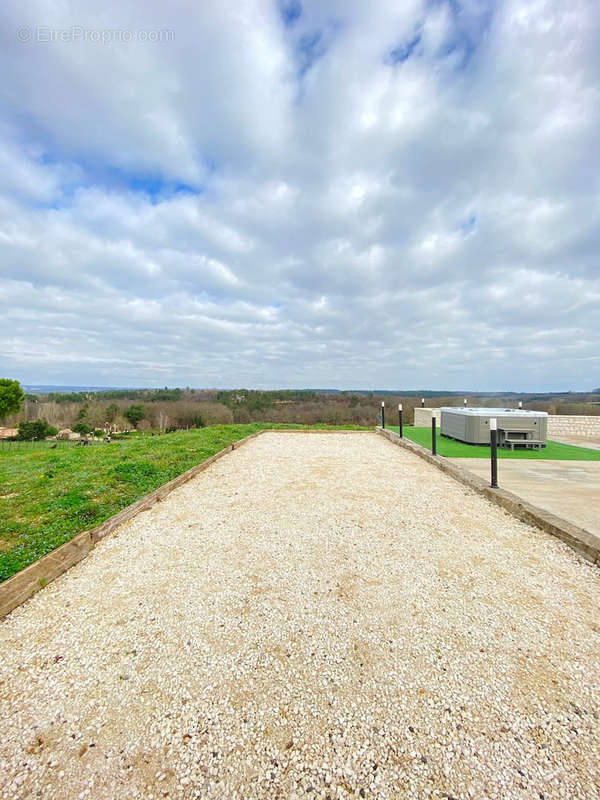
569,489
315,616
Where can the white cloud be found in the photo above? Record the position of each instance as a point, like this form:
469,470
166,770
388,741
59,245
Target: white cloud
384,194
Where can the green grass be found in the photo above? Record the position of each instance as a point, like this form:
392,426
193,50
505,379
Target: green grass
450,448
46,444
48,496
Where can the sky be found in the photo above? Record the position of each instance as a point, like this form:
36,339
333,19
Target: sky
301,193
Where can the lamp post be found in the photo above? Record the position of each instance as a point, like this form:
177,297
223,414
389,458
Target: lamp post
433,436
422,402
383,414
400,420
465,402
493,452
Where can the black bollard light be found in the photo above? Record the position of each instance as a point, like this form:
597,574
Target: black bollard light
520,405
383,414
400,420
465,402
433,438
422,402
494,452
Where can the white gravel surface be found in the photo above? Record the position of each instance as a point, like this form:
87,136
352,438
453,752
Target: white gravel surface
314,616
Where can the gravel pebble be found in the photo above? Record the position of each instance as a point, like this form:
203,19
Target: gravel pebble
318,616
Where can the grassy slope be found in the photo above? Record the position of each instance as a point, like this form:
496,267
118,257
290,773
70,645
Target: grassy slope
48,496
453,449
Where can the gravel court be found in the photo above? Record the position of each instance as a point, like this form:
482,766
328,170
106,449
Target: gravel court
320,615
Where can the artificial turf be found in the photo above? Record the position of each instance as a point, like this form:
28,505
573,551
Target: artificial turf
450,448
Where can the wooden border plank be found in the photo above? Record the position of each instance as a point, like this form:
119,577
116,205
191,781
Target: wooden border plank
20,587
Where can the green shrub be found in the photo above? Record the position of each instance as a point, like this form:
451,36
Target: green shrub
82,428
34,430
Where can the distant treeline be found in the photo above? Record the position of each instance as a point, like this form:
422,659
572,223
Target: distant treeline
170,409
256,400
148,395
253,398
266,397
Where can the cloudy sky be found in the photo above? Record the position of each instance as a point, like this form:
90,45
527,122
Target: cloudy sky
303,193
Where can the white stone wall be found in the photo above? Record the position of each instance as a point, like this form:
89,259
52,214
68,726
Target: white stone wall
423,417
558,424
563,425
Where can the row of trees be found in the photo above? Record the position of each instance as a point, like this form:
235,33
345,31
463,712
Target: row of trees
168,409
147,395
12,398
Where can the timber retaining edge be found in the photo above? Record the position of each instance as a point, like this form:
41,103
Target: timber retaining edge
17,589
580,540
20,587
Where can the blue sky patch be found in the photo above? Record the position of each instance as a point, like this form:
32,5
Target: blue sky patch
400,54
290,11
468,225
151,184
310,49
453,5
154,186
470,26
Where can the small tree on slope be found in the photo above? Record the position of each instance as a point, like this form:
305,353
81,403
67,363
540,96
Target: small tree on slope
11,397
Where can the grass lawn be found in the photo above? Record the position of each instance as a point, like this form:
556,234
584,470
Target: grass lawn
48,496
554,451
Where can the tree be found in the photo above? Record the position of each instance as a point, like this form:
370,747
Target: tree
111,413
134,414
11,397
82,428
35,431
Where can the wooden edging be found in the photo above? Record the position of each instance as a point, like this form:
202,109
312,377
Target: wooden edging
584,542
316,430
20,587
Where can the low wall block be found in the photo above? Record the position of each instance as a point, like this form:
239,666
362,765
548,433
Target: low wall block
563,425
423,417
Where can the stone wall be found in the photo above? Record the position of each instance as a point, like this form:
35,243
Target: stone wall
562,425
423,417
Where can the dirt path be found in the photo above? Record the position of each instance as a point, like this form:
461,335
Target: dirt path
313,616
